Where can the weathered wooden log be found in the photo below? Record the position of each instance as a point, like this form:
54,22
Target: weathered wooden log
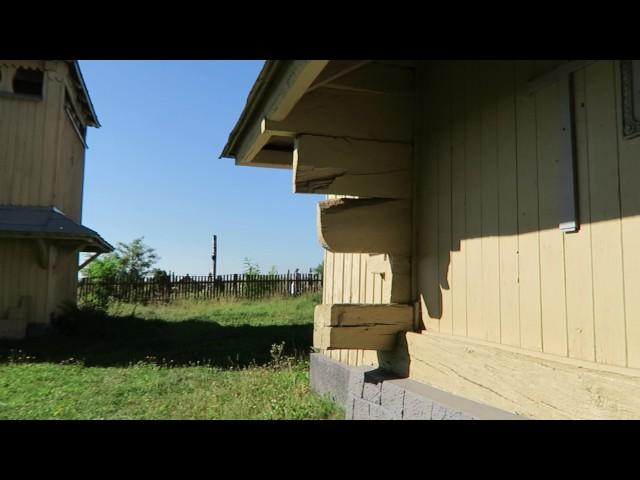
344,166
361,225
368,327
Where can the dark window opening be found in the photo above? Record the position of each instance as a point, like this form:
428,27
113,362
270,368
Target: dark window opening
28,82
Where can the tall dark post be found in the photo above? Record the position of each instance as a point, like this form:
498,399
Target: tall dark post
214,255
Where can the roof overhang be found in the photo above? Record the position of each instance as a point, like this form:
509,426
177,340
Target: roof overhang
349,99
81,87
47,223
279,86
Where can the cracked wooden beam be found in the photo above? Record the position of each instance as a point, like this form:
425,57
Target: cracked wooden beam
345,166
365,225
342,113
358,315
380,338
368,327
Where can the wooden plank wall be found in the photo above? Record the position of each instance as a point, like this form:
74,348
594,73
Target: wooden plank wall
347,279
21,276
41,156
493,264
41,164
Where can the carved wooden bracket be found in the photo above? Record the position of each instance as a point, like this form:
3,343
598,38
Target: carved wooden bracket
365,225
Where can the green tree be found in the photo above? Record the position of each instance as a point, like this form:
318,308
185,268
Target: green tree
137,258
133,260
320,268
130,262
251,268
105,268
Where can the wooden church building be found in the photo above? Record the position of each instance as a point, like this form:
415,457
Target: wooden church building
481,222
45,110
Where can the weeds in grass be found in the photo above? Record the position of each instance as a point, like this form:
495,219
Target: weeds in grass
190,360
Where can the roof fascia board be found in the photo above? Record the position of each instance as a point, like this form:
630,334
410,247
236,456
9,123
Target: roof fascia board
284,83
83,86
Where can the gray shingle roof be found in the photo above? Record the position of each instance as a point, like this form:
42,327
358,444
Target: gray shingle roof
49,223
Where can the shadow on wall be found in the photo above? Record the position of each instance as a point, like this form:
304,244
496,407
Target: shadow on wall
491,167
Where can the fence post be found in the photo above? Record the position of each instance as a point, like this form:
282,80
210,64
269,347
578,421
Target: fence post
235,284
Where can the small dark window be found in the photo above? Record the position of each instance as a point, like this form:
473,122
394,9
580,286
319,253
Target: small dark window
28,82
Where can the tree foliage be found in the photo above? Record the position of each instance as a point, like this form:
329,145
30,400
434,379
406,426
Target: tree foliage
132,260
137,258
105,268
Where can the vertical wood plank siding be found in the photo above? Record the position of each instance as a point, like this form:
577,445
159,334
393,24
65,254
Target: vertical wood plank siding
493,264
41,164
347,279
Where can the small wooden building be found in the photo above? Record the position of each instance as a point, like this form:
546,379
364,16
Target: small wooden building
482,221
45,110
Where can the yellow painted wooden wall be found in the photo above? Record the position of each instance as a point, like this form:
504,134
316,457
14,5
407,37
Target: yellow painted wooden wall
492,263
41,164
347,279
41,156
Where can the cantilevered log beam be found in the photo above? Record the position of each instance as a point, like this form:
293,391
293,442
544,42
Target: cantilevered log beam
273,98
339,113
343,166
356,315
271,158
365,225
368,327
381,338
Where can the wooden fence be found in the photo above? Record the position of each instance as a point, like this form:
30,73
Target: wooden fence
171,287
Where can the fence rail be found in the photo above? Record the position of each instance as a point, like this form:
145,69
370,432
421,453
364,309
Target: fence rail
172,287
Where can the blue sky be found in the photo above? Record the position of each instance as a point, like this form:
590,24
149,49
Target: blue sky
153,170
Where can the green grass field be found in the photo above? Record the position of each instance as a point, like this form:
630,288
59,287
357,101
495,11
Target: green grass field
186,360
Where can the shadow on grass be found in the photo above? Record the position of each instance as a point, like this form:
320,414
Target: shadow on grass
99,340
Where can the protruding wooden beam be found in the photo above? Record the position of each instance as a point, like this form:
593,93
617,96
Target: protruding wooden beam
344,166
361,338
296,78
340,113
270,158
360,315
368,327
365,225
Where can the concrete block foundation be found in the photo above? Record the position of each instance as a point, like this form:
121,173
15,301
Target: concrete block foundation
368,393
